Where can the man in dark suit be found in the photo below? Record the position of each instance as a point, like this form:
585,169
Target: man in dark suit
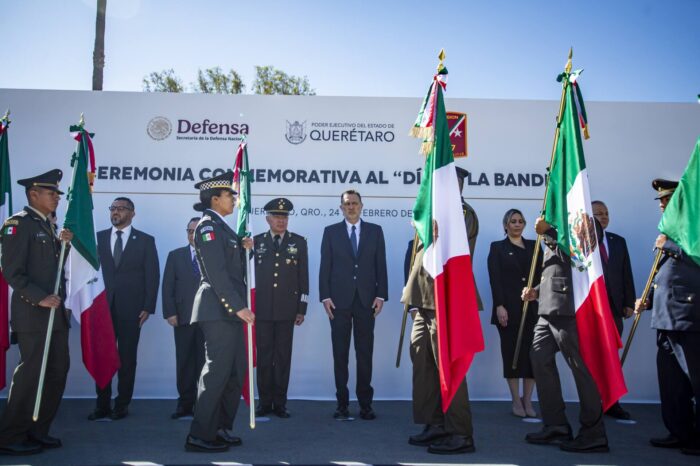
180,284
619,283
282,294
556,331
353,288
676,318
130,269
30,252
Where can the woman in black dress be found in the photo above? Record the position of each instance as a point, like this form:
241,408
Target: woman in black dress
509,266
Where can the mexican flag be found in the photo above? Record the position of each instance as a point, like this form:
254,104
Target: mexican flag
568,210
241,183
680,219
447,258
5,213
85,289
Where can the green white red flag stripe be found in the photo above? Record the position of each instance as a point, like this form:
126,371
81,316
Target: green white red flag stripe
447,257
5,213
241,184
568,210
85,289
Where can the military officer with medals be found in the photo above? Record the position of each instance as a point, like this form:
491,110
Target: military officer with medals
220,309
282,293
675,314
30,254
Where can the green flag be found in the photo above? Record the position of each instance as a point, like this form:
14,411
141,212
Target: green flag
241,183
79,214
680,219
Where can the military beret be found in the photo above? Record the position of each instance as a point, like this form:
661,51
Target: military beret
223,181
663,187
48,180
279,206
461,173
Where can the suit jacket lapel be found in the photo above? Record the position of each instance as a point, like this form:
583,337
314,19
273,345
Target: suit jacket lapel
362,238
130,245
343,231
105,252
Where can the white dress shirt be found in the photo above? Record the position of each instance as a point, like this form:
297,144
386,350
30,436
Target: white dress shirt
125,237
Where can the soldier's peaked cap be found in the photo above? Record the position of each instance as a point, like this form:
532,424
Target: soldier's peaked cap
461,173
279,206
223,181
48,180
663,187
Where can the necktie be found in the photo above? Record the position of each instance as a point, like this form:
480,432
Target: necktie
603,252
118,249
195,266
353,240
277,241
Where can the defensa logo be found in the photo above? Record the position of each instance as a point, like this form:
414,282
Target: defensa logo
296,132
159,128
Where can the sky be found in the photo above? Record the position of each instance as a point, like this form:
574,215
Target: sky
643,50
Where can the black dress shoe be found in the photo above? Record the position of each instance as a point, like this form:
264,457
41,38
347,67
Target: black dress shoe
550,435
341,413
119,413
263,410
618,412
224,436
181,412
368,414
429,435
281,411
99,414
46,441
196,444
20,449
452,445
586,445
670,441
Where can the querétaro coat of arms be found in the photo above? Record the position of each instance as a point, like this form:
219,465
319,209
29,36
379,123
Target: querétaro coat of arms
583,239
296,132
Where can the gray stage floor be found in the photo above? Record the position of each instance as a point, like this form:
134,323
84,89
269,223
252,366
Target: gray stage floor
311,436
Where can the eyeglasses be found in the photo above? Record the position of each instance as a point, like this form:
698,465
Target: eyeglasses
119,208
189,231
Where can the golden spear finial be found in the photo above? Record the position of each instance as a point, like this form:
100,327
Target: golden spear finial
441,57
82,120
567,68
6,117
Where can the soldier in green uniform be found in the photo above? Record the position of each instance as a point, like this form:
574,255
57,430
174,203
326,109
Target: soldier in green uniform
443,433
30,253
282,293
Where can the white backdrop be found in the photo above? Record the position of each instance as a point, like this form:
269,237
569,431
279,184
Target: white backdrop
140,136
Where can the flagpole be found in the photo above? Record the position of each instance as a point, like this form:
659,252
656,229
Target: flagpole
536,252
405,306
645,295
251,388
52,313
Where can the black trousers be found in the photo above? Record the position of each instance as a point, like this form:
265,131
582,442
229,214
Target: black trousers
127,333
222,377
189,359
676,387
16,421
427,400
559,333
274,345
358,322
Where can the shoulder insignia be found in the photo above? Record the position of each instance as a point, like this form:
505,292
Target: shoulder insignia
206,228
9,230
208,236
11,221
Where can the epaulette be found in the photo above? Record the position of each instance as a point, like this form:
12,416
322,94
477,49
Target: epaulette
294,235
